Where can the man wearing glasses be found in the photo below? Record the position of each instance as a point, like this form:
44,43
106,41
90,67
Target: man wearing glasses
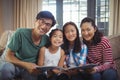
21,55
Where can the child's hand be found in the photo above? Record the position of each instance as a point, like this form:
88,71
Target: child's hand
56,71
64,66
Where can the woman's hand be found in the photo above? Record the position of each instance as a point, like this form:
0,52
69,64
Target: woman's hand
91,71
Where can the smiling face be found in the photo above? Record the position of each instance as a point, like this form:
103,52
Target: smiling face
87,31
70,33
57,38
42,26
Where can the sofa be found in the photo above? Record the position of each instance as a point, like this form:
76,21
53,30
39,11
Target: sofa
114,41
115,44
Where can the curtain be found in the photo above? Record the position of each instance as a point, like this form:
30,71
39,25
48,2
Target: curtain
1,21
114,21
25,12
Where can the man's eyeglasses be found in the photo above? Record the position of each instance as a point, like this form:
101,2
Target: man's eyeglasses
45,23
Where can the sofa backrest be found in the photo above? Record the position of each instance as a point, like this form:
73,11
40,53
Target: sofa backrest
115,44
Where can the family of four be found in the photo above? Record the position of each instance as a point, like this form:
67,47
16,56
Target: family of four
30,48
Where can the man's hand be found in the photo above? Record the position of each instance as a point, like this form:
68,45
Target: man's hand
31,68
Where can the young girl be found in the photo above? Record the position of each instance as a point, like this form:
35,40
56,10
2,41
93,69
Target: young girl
76,51
52,54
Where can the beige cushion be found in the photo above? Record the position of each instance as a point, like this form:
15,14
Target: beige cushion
4,39
115,43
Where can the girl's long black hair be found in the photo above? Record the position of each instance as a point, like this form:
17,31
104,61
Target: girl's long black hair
77,42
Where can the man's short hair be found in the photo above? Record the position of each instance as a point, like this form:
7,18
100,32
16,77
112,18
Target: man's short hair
46,14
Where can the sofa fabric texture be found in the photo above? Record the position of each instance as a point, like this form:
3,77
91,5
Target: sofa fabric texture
115,44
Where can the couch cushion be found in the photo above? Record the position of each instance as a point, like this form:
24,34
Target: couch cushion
4,39
115,43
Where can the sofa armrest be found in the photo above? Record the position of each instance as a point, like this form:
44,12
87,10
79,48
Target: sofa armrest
1,51
115,44
4,40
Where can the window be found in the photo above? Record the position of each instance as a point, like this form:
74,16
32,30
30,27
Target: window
50,6
102,15
76,10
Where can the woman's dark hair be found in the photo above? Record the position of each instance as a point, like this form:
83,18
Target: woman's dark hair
97,36
51,34
77,42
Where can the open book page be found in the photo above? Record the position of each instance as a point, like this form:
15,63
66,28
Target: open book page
46,68
86,66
